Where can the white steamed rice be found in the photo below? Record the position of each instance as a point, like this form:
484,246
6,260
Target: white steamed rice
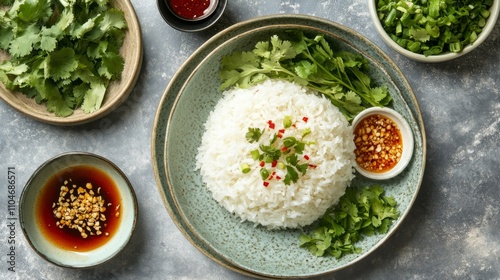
224,149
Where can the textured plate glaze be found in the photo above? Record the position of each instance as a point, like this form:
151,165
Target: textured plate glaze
117,92
187,101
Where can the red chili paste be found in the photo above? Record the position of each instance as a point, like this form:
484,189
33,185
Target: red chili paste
189,9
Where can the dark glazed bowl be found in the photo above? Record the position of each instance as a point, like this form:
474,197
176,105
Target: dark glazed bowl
190,25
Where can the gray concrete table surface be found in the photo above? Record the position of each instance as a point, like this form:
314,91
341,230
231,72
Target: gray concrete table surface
452,231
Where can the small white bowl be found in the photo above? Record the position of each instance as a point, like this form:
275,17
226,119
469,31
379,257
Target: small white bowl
38,240
490,24
407,139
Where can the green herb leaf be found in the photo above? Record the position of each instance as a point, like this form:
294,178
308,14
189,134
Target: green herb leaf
93,98
299,147
253,135
63,53
60,64
289,141
360,211
270,153
23,44
311,62
291,175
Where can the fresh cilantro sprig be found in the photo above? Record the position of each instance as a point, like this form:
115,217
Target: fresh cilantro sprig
253,134
360,212
278,152
432,27
286,153
61,53
338,75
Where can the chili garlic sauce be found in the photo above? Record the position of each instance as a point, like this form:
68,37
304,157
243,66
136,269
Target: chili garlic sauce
79,208
189,9
379,144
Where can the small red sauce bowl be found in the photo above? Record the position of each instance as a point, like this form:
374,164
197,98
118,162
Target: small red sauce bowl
183,19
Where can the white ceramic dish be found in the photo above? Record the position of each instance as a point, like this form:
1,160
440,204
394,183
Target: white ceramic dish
407,139
67,258
490,24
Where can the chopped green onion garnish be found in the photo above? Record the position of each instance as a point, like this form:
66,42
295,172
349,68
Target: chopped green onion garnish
287,122
255,154
306,132
245,168
281,165
264,173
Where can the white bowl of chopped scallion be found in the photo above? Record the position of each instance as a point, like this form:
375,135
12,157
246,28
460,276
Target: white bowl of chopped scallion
434,30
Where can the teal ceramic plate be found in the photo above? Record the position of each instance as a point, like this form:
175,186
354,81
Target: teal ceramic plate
187,101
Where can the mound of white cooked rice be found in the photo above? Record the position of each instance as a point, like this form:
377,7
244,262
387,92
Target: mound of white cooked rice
224,148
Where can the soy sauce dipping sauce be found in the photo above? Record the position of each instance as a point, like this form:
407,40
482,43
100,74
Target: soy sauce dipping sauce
68,238
192,9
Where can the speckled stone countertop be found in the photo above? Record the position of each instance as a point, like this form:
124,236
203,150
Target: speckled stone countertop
452,231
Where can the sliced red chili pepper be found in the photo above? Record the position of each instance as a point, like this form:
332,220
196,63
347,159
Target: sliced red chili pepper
274,163
278,177
265,184
271,176
280,133
283,149
271,124
305,119
306,157
262,163
312,166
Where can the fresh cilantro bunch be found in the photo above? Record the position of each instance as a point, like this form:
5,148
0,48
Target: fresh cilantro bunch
364,211
63,53
338,75
432,27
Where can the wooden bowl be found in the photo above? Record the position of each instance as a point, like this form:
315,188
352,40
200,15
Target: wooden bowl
116,93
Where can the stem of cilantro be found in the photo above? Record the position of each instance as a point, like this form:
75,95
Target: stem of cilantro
339,79
307,53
